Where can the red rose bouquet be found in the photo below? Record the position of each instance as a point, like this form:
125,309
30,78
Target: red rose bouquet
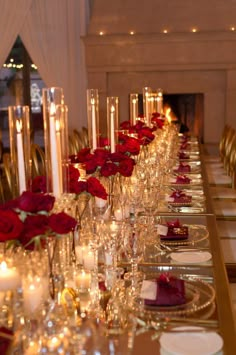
29,220
105,163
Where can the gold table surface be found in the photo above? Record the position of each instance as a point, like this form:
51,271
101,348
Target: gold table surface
214,271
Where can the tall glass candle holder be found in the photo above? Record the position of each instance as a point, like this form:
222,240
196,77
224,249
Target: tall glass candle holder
19,134
56,140
93,117
159,101
133,108
112,121
147,92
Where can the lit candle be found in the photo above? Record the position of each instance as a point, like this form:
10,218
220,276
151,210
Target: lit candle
118,214
83,280
134,111
20,156
32,349
53,343
32,295
94,128
9,277
88,259
112,129
100,202
56,186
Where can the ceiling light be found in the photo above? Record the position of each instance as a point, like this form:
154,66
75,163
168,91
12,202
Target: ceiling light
194,30
101,33
232,28
165,31
131,33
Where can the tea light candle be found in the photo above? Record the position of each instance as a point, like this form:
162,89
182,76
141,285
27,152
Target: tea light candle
100,202
118,214
88,259
53,343
20,156
9,277
83,280
32,349
32,294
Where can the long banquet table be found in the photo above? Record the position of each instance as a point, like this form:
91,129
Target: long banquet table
213,272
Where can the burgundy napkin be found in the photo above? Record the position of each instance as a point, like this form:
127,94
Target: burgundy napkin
170,291
183,168
176,231
183,156
182,179
180,197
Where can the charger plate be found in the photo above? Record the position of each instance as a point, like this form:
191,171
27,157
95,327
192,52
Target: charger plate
200,297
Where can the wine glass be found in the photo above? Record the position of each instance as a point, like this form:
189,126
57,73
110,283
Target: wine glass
133,242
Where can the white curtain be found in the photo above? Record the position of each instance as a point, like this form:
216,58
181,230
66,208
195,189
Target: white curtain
12,16
52,36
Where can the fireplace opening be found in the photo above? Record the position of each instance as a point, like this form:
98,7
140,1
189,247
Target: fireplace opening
186,108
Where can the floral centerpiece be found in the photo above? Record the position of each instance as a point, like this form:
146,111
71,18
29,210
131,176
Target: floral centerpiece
29,221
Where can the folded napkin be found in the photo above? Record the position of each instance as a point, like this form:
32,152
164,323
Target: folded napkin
183,156
170,291
179,196
5,340
182,179
184,145
183,168
175,231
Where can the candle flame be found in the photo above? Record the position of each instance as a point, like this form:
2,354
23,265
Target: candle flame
52,109
57,125
18,125
3,266
134,101
168,116
112,109
92,101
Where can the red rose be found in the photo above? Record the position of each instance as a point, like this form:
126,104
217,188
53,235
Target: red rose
34,202
91,165
74,173
117,157
83,155
103,142
77,187
125,125
138,125
126,167
95,188
101,156
61,223
34,226
109,169
39,184
10,225
131,145
146,135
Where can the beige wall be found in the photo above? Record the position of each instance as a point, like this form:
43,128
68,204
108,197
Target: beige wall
178,62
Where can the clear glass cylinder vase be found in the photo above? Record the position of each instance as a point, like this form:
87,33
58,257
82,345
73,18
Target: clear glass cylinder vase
112,121
19,135
133,108
56,141
93,118
147,92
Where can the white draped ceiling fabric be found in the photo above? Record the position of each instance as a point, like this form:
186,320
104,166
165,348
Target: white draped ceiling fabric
51,31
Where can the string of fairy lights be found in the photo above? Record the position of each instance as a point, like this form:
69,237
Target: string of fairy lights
13,65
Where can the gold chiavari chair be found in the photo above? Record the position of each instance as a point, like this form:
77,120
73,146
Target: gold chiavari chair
38,160
9,177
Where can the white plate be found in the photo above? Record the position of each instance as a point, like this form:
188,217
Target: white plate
191,343
191,257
